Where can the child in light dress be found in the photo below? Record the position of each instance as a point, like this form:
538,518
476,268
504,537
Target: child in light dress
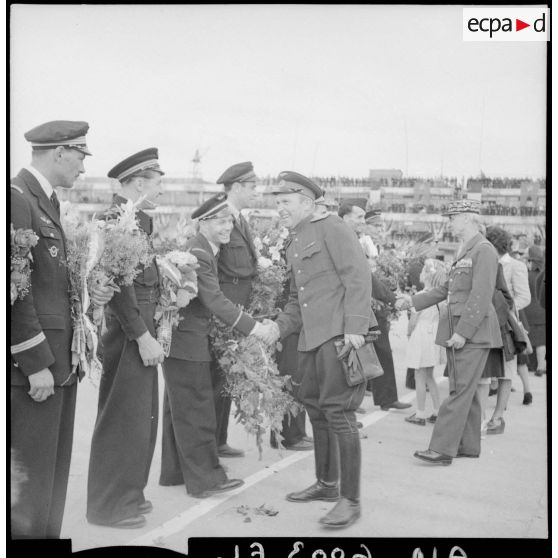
422,352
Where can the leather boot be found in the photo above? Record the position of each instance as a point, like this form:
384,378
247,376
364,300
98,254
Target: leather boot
326,456
347,509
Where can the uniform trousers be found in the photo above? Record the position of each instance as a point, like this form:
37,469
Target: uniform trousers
457,428
329,401
239,293
189,451
384,388
41,436
126,428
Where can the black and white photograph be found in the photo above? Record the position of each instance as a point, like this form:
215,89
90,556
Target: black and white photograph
278,279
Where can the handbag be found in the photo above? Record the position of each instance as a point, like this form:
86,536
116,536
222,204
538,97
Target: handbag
359,365
519,335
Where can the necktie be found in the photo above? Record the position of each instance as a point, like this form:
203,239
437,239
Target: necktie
55,203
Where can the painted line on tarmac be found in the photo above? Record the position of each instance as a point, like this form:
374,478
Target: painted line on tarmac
182,520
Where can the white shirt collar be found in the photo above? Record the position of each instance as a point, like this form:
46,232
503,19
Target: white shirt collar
234,210
44,183
214,246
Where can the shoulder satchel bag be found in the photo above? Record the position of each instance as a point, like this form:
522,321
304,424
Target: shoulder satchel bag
359,365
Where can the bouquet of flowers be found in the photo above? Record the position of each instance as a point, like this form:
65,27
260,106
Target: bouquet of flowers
267,286
125,248
84,245
252,378
253,381
21,258
179,285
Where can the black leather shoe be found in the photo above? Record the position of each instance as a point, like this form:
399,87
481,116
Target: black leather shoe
343,514
146,507
431,456
492,392
225,486
359,424
318,491
395,405
527,398
135,522
413,419
539,373
432,419
226,451
462,454
301,445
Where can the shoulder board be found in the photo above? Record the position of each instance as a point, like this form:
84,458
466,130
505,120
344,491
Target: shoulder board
15,187
319,218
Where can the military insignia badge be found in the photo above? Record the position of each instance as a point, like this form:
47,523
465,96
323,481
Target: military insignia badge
465,262
46,220
53,251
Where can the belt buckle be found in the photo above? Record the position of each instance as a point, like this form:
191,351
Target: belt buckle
235,280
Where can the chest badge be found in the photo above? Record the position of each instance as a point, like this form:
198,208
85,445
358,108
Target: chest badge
53,251
46,220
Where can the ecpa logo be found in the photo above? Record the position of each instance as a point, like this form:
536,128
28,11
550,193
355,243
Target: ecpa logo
506,24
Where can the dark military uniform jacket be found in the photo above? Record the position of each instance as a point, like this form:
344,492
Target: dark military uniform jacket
145,289
237,258
41,324
330,285
468,291
190,340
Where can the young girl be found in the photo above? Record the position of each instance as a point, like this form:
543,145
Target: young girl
423,353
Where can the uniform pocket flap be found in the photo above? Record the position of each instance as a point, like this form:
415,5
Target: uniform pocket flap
311,249
52,321
50,232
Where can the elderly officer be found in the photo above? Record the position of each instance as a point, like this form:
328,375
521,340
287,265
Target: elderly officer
329,299
190,454
126,427
43,387
237,267
384,387
468,330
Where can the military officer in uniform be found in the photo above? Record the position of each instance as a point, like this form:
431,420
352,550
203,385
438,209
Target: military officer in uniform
384,387
189,454
126,426
237,267
43,387
329,299
468,330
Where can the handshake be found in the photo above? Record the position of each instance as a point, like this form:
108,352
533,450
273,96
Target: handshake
267,331
403,302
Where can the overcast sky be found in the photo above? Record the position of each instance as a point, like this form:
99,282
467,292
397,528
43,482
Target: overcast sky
320,89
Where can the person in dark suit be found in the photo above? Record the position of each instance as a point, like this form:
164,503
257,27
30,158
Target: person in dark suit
43,386
189,452
384,387
237,267
468,330
329,279
126,426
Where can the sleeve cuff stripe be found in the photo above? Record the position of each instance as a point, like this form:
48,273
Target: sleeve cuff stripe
29,344
237,319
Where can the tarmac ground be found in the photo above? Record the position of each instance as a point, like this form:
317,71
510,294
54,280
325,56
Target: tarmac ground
503,494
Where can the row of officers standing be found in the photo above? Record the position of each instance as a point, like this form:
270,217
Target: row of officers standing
329,276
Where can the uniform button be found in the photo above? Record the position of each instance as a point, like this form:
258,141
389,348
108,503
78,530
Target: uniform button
305,305
51,234
298,271
296,239
296,255
301,288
